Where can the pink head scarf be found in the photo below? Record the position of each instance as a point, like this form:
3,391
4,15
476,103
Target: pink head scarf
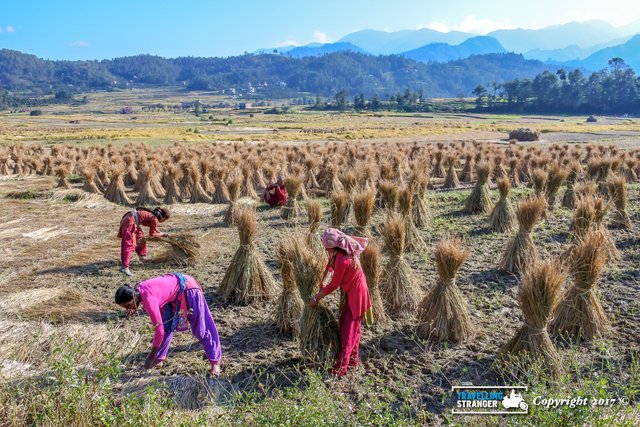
334,238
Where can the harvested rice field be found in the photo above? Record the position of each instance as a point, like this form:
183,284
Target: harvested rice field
471,294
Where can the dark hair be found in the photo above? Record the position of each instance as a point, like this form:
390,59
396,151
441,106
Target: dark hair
125,293
158,212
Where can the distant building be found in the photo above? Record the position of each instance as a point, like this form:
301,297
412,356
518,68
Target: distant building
244,105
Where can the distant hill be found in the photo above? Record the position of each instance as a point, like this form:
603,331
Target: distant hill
629,51
323,49
442,52
384,42
267,75
582,34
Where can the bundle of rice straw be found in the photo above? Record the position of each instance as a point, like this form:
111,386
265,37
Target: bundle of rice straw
521,253
479,201
556,178
388,191
314,213
115,191
290,305
503,217
233,186
311,182
293,184
584,216
363,205
221,193
247,188
198,193
370,262
538,297
90,185
413,239
419,184
319,339
618,192
443,313
467,170
398,286
339,202
580,314
146,195
65,304
438,169
539,179
184,248
172,195
451,180
331,183
247,279
569,197
62,172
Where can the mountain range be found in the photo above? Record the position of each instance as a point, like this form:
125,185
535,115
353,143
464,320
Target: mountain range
587,45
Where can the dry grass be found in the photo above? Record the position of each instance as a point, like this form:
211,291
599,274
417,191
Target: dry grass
503,217
580,314
398,286
339,208
370,261
479,201
363,205
618,192
521,253
289,306
247,279
293,184
538,297
443,313
183,248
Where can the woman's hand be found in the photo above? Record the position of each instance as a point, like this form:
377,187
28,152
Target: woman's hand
313,301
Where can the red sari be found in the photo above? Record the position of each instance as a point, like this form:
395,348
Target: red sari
131,233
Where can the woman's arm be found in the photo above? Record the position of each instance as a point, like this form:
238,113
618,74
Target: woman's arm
339,267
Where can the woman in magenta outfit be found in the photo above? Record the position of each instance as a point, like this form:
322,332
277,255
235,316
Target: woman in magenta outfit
171,301
344,251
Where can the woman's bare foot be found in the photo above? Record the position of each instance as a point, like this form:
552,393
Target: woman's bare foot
215,370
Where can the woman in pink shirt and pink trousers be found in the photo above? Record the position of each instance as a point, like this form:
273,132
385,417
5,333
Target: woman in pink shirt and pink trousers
171,301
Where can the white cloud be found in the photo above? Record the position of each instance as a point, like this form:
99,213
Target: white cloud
7,29
289,42
470,24
320,37
78,44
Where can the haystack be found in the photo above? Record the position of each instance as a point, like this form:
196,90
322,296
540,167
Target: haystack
538,296
524,134
90,185
521,253
370,262
146,196
398,286
233,186
247,279
319,339
115,191
183,248
293,184
388,195
172,195
580,314
289,306
198,193
220,193
451,180
419,183
539,178
443,313
314,213
618,193
503,217
557,175
363,205
339,203
413,239
479,201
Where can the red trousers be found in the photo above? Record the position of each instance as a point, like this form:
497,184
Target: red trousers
132,236
350,332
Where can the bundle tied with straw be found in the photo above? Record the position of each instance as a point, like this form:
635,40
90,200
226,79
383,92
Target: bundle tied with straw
557,175
580,314
538,297
451,180
90,185
319,339
388,191
198,192
293,184
618,193
172,194
289,306
370,262
521,253
233,187
183,248
247,279
443,313
398,286
503,217
339,211
569,197
314,213
479,201
115,191
146,196
363,205
539,179
419,184
413,239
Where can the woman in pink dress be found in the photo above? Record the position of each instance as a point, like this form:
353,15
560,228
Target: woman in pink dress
344,251
131,233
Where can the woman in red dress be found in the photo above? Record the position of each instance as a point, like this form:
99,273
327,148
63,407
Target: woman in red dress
132,235
276,194
344,251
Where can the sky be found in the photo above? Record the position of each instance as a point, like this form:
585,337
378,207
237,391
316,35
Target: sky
91,29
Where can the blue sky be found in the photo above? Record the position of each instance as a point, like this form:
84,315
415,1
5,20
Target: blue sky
89,29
